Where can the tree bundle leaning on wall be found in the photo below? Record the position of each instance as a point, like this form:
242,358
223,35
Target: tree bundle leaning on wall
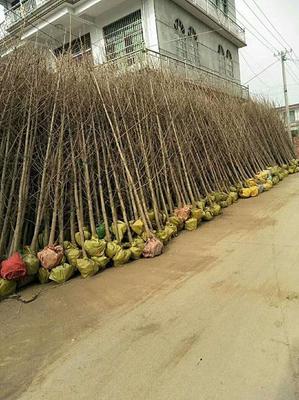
107,166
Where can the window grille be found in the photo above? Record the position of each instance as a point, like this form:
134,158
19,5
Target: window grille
225,6
292,116
124,36
221,57
229,64
215,2
181,45
222,5
79,48
193,49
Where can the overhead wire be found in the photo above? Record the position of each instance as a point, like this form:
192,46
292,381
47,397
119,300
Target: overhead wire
252,70
276,30
280,39
260,20
261,72
285,44
272,25
253,31
291,72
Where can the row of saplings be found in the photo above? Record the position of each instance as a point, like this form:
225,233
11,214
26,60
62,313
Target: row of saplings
59,264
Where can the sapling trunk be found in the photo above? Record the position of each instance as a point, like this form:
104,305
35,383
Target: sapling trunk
58,184
100,185
76,198
39,215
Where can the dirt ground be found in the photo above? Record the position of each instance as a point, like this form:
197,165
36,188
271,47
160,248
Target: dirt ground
215,318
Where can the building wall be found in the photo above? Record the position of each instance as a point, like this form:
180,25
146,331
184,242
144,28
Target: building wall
232,9
297,114
167,12
120,11
158,18
294,124
296,144
96,20
105,19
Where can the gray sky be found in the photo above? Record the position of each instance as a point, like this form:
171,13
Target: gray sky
284,15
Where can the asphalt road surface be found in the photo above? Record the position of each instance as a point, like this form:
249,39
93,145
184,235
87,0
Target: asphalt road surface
215,318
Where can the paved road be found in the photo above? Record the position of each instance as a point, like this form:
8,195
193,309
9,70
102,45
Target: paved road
215,318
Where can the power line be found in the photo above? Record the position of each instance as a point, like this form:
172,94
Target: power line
294,61
275,29
273,26
261,72
293,75
260,20
254,72
265,42
39,29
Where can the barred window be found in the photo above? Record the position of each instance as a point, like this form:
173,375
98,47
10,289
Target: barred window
221,59
225,6
79,48
124,36
292,116
222,5
229,64
181,45
193,49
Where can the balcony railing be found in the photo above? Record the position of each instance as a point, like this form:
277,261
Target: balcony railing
216,13
3,31
20,11
26,7
202,77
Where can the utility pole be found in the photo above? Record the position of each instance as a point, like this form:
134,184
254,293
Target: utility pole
283,57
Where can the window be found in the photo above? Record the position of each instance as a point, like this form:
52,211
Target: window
15,3
216,2
181,47
123,37
79,48
225,6
222,5
193,50
221,59
292,116
229,64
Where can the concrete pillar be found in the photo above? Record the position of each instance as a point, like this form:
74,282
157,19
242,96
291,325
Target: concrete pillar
150,25
97,45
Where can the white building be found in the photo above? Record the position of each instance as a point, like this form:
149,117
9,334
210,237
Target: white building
199,38
294,118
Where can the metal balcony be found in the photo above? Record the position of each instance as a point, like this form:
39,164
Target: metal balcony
3,31
196,75
20,11
214,16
